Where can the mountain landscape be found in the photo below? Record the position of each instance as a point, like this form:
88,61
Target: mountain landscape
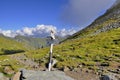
94,49
32,43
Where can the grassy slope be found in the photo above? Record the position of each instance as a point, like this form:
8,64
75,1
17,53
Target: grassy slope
9,44
91,51
9,47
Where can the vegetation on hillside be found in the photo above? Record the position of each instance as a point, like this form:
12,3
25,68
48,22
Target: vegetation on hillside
7,45
31,43
92,51
10,47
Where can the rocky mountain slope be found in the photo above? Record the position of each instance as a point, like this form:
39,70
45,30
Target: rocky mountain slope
110,20
31,43
35,42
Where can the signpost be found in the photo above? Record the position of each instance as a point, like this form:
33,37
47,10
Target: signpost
51,49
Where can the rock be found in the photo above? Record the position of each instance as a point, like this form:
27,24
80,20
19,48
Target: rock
109,76
66,68
8,70
26,74
44,75
118,71
105,77
80,66
75,69
54,61
105,64
16,76
2,77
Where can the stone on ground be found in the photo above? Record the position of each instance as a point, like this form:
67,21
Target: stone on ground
2,77
44,75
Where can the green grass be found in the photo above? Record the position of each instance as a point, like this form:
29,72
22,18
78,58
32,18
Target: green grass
9,45
91,52
88,51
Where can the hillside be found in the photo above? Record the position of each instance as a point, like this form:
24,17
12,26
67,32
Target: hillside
97,47
8,45
110,20
36,43
31,43
18,52
88,51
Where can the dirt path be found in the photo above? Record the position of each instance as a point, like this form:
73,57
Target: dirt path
81,75
24,60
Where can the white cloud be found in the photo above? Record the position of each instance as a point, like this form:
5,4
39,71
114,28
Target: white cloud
8,33
27,31
38,31
43,30
65,32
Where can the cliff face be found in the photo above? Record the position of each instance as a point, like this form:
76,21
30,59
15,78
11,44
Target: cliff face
108,21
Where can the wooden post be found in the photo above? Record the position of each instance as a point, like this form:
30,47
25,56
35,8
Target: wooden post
50,57
51,49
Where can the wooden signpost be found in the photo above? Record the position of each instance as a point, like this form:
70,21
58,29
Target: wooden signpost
51,49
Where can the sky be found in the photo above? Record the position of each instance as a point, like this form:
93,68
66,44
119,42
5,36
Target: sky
38,17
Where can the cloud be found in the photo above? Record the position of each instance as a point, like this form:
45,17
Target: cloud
83,12
65,32
8,33
38,31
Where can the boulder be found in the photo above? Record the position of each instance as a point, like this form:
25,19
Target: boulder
2,77
8,70
66,68
105,77
44,75
109,76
